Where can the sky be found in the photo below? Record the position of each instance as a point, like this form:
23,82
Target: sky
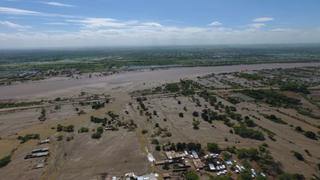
95,23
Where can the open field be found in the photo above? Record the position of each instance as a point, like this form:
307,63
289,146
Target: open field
263,117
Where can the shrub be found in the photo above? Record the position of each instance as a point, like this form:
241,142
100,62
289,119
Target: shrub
298,155
299,129
249,133
60,138
69,128
96,135
181,115
28,137
154,141
272,97
5,161
158,148
226,155
97,105
250,123
287,176
311,135
191,175
295,87
144,131
172,87
83,130
195,114
275,119
252,154
195,124
213,148
100,130
98,120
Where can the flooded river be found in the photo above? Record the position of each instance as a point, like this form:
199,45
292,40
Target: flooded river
60,86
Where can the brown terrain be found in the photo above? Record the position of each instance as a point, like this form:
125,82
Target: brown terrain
75,155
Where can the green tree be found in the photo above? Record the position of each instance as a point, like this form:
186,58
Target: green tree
191,175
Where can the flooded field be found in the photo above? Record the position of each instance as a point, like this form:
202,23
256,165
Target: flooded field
130,80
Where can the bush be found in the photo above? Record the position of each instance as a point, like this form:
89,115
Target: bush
213,148
275,119
272,97
5,161
250,123
69,128
100,130
144,131
299,129
98,120
311,135
195,114
226,155
191,175
252,154
172,87
60,138
287,176
96,135
97,105
295,87
28,137
181,115
195,124
154,141
83,130
249,133
158,148
298,156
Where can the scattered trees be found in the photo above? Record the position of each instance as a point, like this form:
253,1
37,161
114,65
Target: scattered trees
294,87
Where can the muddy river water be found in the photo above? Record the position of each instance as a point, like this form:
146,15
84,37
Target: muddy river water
125,79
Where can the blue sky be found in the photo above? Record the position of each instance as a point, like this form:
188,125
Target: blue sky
77,23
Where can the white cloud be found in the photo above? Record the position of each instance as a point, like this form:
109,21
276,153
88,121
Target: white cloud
139,35
152,24
23,12
215,23
56,23
13,25
90,32
97,22
282,30
263,19
58,4
257,25
15,11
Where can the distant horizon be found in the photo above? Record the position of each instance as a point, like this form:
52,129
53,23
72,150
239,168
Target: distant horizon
29,24
143,47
